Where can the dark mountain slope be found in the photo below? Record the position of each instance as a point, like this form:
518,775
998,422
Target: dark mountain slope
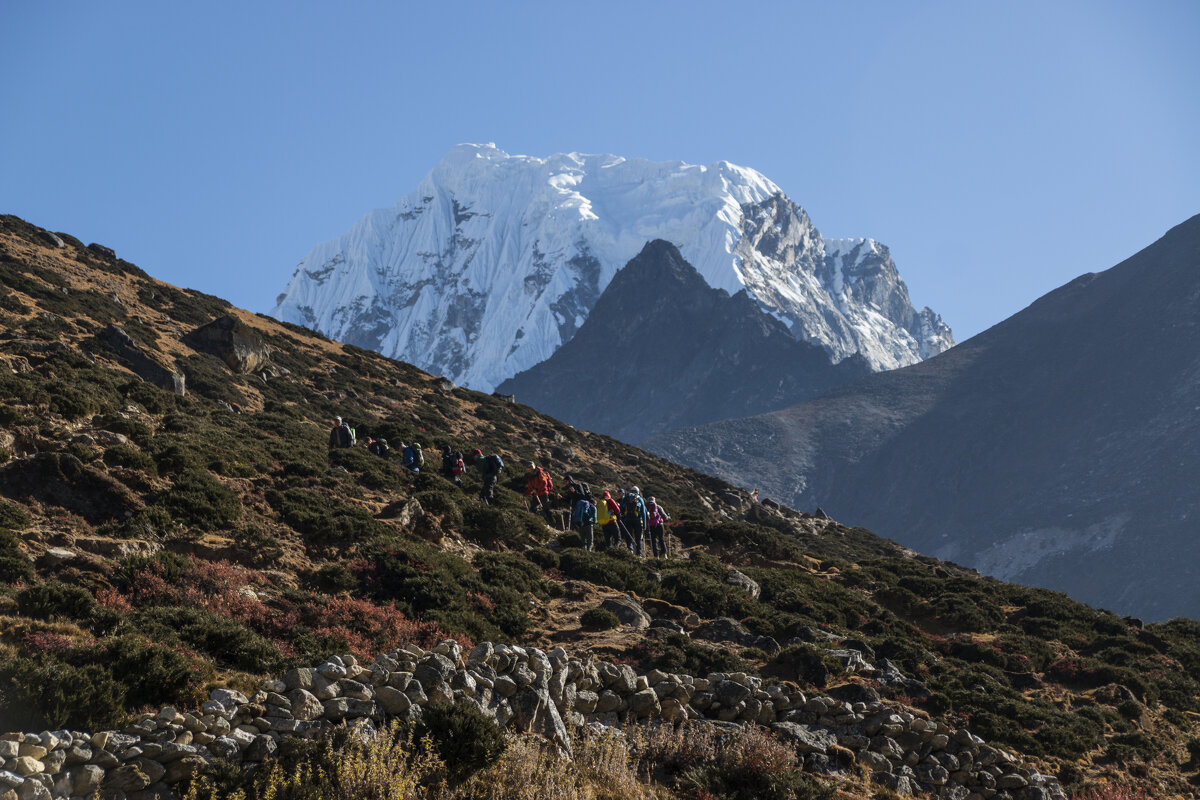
1059,448
662,350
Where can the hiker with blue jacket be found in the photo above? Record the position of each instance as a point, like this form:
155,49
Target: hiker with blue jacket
633,515
583,517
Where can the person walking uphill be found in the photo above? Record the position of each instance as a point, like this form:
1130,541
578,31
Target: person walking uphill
608,515
538,490
489,468
656,525
341,436
583,517
633,515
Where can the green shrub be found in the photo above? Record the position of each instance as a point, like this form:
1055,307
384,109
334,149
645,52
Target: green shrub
227,642
546,559
121,455
466,739
444,505
802,663
201,501
335,578
55,599
12,516
50,694
599,619
674,652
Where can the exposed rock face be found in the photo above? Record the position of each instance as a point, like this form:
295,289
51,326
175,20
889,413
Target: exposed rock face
494,261
232,341
1058,448
662,350
142,364
543,693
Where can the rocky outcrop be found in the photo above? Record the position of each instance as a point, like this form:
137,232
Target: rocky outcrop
142,364
523,689
233,341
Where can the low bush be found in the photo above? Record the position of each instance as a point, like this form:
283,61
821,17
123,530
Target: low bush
599,619
55,600
466,739
201,501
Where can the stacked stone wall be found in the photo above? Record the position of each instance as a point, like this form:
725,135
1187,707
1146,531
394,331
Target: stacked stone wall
523,689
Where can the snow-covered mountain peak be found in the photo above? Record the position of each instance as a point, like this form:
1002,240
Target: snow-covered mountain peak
496,259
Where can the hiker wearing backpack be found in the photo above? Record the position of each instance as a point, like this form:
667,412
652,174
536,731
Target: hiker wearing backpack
656,525
489,468
633,516
538,489
413,458
341,435
583,517
608,515
447,469
379,447
576,491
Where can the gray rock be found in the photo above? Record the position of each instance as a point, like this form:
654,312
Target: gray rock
645,703
724,629
85,779
505,686
743,582
126,778
393,700
628,610
534,711
305,704
804,738
435,667
262,748
233,341
228,697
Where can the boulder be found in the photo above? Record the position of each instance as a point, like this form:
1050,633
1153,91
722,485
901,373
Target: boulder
725,629
144,366
233,341
743,582
628,610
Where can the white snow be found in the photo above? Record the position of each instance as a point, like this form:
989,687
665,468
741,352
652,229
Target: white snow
482,249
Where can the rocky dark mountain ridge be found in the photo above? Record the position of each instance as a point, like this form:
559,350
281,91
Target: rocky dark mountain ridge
663,350
188,543
1058,448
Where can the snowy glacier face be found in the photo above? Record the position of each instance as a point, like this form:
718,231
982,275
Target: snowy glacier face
495,260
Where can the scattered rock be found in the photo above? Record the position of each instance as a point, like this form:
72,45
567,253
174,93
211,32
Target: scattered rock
628,610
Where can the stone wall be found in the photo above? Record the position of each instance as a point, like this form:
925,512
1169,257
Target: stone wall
523,689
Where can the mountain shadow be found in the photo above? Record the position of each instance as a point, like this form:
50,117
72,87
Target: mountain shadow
662,350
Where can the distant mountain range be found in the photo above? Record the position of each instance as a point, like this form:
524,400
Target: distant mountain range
495,261
1059,448
662,350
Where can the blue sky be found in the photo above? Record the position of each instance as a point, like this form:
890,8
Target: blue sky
999,149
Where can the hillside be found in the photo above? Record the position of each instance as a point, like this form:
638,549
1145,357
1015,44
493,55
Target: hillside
663,350
1057,448
165,536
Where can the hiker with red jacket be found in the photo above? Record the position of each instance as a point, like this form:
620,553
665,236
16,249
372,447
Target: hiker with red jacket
538,490
656,525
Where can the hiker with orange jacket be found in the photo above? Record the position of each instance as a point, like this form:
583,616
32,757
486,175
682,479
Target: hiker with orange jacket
538,490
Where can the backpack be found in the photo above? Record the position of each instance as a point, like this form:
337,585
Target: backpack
493,464
634,505
458,468
588,514
584,490
547,483
353,438
654,515
418,456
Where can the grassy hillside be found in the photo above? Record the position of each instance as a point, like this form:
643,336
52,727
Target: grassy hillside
154,545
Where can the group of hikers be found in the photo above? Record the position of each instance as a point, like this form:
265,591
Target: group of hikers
625,520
